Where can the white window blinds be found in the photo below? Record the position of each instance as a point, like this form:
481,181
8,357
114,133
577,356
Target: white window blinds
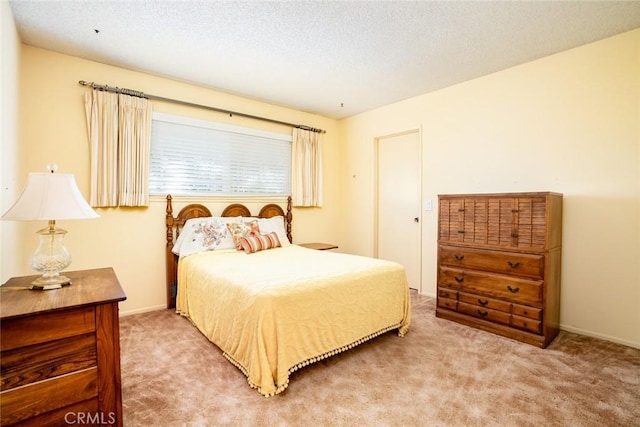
197,157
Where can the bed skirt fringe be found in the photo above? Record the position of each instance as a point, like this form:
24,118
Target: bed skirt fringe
402,330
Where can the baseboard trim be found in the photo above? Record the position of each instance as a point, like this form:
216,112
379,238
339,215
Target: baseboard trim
600,336
143,310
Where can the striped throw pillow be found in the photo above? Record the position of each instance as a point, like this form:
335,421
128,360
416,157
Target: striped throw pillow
259,242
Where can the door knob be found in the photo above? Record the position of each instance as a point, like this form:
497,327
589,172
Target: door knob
416,219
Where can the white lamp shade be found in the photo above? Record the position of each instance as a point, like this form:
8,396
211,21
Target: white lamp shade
50,196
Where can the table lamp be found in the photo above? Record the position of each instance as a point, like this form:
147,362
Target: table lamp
50,196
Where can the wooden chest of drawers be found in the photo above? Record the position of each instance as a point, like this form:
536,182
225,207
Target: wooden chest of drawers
499,263
60,352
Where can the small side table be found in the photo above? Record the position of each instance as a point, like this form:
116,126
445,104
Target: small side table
319,246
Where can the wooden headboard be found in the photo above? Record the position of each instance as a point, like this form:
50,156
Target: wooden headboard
174,227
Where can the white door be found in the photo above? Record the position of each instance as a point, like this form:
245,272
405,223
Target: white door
398,203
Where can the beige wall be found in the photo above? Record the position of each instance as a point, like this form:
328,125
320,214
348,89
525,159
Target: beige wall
566,123
132,241
10,153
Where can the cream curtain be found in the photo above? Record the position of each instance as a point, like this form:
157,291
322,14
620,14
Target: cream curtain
119,129
306,168
134,148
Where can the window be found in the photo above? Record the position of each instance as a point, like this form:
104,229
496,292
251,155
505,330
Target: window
197,157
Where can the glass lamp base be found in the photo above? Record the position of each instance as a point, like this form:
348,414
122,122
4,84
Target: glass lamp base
50,257
47,283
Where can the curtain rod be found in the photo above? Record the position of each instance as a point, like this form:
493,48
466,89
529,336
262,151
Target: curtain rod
139,94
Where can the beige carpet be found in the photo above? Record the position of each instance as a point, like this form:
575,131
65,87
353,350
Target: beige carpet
440,374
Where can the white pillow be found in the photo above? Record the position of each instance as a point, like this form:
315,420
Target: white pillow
204,234
275,224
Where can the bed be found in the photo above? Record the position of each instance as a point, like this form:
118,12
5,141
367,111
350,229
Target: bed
276,308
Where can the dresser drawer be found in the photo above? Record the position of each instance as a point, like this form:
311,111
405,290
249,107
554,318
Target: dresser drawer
26,365
447,293
485,302
501,317
447,298
527,324
527,265
21,403
493,285
524,311
500,305
23,331
484,313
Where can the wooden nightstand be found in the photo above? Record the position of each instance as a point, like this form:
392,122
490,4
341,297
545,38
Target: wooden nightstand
60,351
319,246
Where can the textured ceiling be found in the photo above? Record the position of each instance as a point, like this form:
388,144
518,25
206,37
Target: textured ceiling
333,58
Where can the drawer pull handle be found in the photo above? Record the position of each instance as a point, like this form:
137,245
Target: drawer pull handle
483,303
461,231
514,234
483,313
458,257
461,210
513,264
514,211
513,290
459,279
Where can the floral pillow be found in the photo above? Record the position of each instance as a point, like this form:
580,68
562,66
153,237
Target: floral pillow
243,229
204,234
260,242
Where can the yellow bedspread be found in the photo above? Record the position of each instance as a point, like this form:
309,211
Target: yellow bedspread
275,311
